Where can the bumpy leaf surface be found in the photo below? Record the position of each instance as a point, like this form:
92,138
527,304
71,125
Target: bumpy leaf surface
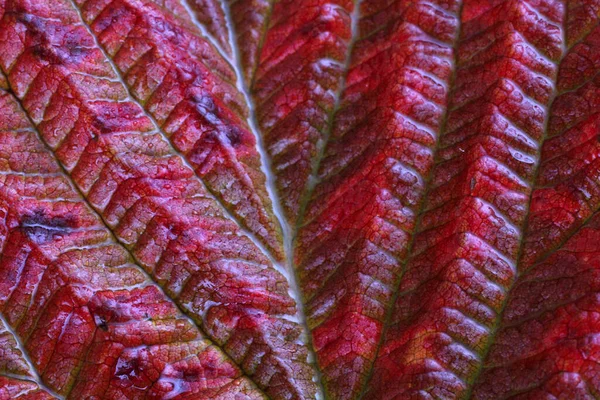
300,199
92,322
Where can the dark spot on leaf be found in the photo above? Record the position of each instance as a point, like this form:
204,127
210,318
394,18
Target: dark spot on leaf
206,102
101,322
131,368
128,369
51,43
206,107
74,51
234,135
41,228
101,124
38,33
49,54
193,374
105,310
112,15
21,14
211,137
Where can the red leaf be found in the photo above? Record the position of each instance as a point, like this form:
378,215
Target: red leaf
76,301
149,198
299,199
373,176
190,90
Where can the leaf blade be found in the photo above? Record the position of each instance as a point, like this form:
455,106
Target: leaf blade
464,258
551,310
296,87
421,177
359,223
63,273
153,202
17,378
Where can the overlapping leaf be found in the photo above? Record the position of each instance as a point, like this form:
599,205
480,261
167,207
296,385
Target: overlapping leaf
435,163
484,310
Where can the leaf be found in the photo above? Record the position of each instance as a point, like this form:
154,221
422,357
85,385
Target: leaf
295,88
498,298
145,192
299,199
189,89
357,229
92,322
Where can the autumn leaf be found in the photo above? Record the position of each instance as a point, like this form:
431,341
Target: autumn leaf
299,199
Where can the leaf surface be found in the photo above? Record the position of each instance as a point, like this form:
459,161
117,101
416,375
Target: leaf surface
145,192
498,296
92,322
190,90
358,226
369,199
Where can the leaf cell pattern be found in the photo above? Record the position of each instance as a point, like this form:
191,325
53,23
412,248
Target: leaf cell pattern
190,90
17,380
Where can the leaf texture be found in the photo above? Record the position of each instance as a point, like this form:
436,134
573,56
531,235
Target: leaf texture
358,226
211,14
190,187
185,84
477,316
17,380
248,22
147,195
295,87
91,321
552,312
